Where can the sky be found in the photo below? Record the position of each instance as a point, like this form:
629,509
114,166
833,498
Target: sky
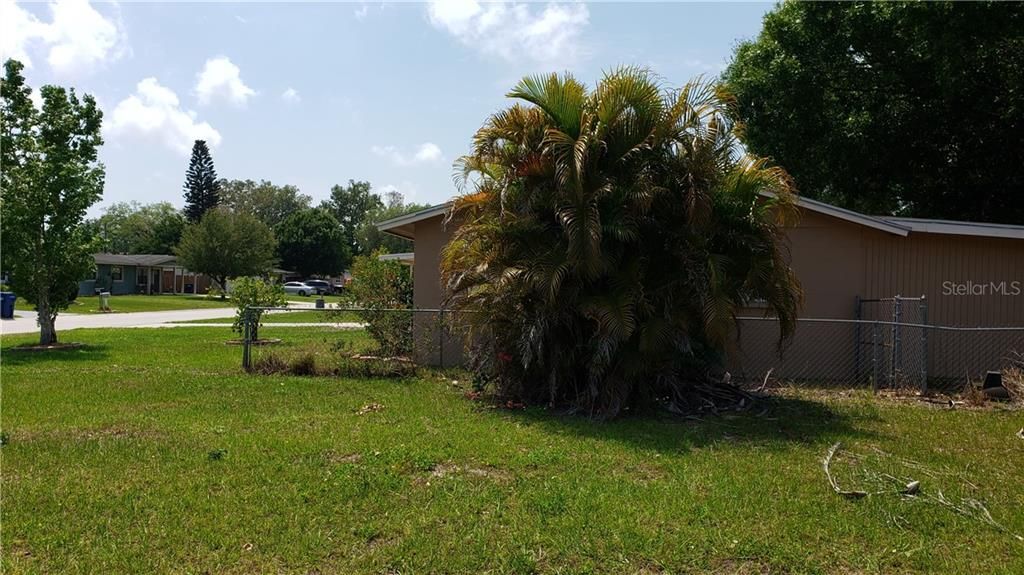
317,94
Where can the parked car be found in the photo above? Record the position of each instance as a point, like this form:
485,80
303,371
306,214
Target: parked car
322,286
300,288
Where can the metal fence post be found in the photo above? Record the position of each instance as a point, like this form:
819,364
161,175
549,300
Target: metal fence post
897,353
857,343
923,309
440,336
246,339
875,328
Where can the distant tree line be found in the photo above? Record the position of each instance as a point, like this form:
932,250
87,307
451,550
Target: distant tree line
292,233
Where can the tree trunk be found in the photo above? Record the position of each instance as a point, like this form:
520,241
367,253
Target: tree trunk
47,331
223,281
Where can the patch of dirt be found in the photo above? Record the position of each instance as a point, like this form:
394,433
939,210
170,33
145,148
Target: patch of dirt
369,408
449,469
50,347
740,566
645,474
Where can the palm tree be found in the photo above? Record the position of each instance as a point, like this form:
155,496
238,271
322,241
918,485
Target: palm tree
608,239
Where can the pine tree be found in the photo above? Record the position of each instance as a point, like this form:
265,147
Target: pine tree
202,189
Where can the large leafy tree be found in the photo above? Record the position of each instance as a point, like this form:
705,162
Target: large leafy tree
268,202
50,177
202,189
225,245
370,239
608,238
311,242
133,228
350,205
891,107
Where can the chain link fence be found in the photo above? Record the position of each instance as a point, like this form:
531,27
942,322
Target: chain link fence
420,336
875,353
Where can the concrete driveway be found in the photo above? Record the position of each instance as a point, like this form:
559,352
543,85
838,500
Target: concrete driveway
25,321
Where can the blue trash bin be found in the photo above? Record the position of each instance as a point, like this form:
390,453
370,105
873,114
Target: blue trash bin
7,305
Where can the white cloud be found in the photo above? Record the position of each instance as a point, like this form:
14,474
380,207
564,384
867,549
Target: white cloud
361,12
291,95
155,112
220,79
514,30
78,37
426,153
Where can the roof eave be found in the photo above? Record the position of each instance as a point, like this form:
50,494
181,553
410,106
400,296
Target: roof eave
850,216
956,228
395,226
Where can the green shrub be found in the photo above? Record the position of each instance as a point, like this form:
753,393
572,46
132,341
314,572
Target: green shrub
380,288
254,292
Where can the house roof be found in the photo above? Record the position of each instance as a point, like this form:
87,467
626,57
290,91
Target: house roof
960,228
851,216
135,259
404,226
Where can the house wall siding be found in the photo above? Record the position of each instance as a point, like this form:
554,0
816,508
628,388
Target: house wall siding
836,261
432,235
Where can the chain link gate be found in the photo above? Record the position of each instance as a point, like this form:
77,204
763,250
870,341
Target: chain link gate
894,351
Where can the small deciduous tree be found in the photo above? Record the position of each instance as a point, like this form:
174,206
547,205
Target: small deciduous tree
268,202
226,245
133,228
50,177
311,242
253,292
202,189
350,205
380,288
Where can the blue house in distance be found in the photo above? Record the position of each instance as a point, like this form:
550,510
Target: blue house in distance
123,274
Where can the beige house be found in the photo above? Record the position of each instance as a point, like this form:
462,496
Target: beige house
852,266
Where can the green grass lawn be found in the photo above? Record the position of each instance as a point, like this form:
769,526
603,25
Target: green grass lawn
133,303
150,451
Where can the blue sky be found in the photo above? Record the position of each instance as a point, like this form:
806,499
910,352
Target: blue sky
317,94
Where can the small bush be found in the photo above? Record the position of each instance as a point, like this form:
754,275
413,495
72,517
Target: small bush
1013,377
254,292
304,364
973,395
269,364
379,288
